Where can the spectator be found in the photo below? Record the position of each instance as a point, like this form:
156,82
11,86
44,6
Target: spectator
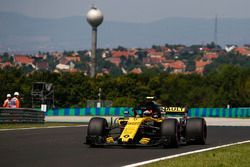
15,102
6,103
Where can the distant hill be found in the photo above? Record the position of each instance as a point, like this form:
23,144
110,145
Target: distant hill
27,34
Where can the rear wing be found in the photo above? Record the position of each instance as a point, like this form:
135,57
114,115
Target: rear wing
175,110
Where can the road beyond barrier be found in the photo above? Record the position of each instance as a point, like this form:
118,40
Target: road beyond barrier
119,111
21,115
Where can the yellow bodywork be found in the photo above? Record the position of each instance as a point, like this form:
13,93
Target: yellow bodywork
174,109
110,140
144,140
132,126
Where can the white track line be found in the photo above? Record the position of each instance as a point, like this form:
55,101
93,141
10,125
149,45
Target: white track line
183,154
49,127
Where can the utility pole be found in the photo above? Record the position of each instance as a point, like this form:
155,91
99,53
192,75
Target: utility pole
216,31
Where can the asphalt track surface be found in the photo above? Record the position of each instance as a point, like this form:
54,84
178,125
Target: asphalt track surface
63,147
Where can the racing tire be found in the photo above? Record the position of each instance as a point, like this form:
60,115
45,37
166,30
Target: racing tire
97,131
170,133
196,131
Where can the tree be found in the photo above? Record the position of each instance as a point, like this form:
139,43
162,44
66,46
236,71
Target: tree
231,58
228,82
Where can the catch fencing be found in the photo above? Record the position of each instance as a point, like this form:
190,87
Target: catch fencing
21,115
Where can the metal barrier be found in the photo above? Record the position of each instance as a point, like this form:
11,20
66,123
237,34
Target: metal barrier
21,115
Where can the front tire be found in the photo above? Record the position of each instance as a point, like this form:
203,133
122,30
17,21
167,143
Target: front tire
97,131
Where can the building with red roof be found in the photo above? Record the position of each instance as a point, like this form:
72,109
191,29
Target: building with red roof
211,55
119,54
23,60
178,66
136,71
114,60
75,58
153,52
6,64
200,65
242,50
167,64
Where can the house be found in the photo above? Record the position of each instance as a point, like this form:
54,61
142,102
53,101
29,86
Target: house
40,56
242,50
6,64
64,60
127,54
23,60
62,67
115,60
178,66
74,57
57,55
166,49
230,48
204,49
154,58
136,71
200,65
119,54
44,65
105,54
167,64
153,52
88,53
210,55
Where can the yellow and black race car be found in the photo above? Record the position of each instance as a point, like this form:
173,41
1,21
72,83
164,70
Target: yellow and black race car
148,125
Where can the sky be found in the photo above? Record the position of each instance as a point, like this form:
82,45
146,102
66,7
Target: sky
130,10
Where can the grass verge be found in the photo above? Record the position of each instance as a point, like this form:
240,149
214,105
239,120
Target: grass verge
233,156
27,125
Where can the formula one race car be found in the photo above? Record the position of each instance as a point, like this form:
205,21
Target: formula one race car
148,126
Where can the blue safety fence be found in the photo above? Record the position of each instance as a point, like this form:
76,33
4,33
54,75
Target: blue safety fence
104,111
119,111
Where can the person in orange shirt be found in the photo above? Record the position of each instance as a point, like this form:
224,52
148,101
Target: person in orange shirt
6,103
15,102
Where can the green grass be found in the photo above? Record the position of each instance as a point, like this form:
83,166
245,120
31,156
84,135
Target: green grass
27,125
233,156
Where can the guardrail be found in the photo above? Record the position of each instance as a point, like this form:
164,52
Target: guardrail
119,111
21,115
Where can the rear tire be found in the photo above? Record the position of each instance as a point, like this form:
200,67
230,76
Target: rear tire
170,132
196,131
